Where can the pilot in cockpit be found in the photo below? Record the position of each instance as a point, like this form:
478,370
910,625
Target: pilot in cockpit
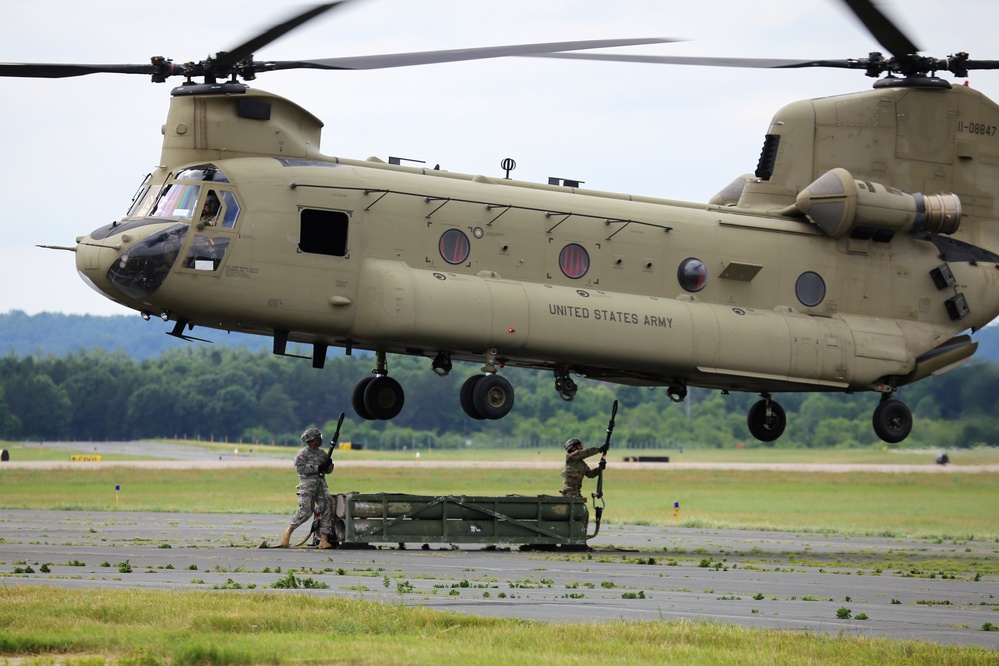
210,211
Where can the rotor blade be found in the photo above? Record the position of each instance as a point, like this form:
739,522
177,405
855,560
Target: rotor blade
388,60
250,47
758,63
879,25
981,64
61,71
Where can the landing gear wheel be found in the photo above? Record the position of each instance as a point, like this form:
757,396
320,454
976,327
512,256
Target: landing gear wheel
493,397
357,399
763,426
467,396
383,398
892,421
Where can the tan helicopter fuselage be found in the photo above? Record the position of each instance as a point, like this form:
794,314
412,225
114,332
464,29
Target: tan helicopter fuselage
747,293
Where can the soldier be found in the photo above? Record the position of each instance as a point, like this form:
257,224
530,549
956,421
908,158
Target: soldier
576,469
312,465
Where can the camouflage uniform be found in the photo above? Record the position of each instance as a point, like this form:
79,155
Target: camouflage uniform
312,487
576,469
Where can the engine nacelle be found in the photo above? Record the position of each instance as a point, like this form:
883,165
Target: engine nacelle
839,204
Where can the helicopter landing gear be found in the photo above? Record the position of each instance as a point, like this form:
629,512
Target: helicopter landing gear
378,398
487,396
564,386
466,396
766,419
892,419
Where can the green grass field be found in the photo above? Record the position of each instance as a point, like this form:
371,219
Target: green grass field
936,505
159,628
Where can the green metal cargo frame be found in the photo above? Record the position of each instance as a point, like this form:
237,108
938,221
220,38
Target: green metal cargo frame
542,520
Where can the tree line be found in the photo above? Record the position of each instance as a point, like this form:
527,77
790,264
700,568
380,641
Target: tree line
237,395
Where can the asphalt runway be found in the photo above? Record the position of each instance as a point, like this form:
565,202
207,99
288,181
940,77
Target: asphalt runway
756,579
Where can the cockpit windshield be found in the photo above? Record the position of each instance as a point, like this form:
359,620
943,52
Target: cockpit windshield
179,198
177,201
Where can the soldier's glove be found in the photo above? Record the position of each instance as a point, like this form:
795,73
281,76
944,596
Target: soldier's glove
602,464
327,468
604,448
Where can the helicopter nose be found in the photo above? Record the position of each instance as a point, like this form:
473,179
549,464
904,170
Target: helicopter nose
130,261
93,258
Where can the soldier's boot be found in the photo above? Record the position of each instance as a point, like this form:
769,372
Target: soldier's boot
324,542
286,538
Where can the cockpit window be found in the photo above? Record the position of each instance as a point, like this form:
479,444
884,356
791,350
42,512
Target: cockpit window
140,270
142,200
144,203
206,172
231,209
210,210
177,201
206,252
220,209
180,200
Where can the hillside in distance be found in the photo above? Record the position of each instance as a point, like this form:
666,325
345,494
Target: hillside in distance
57,334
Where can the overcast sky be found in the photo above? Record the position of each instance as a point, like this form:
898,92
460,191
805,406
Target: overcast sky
74,150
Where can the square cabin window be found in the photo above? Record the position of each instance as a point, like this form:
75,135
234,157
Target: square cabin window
324,232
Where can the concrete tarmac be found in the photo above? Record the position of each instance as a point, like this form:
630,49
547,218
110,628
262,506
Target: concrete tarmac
856,586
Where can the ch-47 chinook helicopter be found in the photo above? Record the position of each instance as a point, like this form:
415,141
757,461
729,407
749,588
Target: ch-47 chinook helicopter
854,258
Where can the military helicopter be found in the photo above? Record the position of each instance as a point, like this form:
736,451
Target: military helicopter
853,259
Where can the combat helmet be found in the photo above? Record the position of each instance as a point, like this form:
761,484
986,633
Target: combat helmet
571,442
311,434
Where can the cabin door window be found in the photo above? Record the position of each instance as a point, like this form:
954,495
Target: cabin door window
323,232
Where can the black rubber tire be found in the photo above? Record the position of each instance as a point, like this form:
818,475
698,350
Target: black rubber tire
384,398
357,399
466,396
493,397
892,421
760,427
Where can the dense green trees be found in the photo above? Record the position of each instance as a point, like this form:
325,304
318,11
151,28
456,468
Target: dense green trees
234,394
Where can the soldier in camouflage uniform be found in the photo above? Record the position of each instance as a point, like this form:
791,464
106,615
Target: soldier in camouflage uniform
312,465
576,469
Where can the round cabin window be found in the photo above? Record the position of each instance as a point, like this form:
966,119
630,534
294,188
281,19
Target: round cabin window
692,274
454,246
574,261
810,288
